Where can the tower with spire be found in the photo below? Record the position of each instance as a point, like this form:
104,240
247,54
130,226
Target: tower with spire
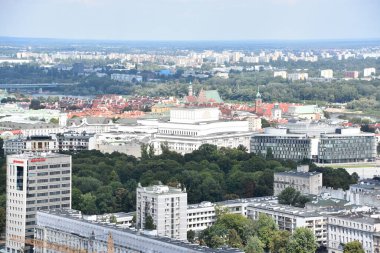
258,100
190,91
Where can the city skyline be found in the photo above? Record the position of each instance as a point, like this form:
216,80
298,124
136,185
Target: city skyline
191,19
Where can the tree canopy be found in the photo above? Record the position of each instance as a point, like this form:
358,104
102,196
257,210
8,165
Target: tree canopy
302,241
353,247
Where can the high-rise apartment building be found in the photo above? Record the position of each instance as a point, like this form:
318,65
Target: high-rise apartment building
168,208
34,182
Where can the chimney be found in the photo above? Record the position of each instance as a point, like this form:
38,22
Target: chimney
303,168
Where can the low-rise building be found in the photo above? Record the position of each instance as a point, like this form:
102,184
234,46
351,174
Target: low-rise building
74,141
126,78
369,72
38,144
310,112
121,219
344,228
83,235
203,215
308,183
351,74
123,142
283,74
327,73
365,192
289,218
90,125
298,76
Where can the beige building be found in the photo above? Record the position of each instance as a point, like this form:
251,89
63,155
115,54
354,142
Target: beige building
168,208
302,180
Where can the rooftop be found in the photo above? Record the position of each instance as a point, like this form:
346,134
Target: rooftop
76,215
297,173
231,202
290,210
160,189
37,155
358,217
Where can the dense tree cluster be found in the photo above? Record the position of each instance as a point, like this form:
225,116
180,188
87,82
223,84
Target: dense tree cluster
290,196
353,247
107,182
256,236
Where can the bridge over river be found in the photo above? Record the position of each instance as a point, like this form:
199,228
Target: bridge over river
33,85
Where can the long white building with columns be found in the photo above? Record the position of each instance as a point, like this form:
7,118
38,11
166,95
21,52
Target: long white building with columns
189,128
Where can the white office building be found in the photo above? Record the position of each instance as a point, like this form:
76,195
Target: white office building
167,206
34,182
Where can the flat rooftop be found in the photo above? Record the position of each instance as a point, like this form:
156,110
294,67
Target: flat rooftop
76,215
297,173
160,189
231,202
286,209
358,217
37,155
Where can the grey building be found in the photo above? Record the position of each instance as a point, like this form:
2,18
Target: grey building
282,144
365,192
74,141
302,180
66,229
30,144
347,146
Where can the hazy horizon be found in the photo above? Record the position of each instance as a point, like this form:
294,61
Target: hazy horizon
191,20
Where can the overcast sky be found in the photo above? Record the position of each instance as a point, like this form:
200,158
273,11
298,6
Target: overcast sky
191,19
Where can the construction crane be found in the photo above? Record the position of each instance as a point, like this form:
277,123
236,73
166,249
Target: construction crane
43,244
